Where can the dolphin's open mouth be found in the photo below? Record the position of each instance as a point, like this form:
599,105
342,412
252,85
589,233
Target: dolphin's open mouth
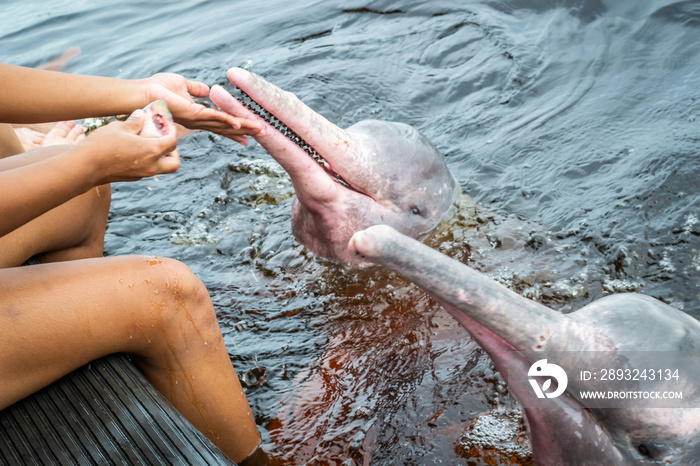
250,103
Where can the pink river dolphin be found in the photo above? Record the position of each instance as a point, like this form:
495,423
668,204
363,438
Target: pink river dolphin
628,345
345,180
354,203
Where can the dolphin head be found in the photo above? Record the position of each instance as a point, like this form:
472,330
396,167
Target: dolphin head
523,338
375,172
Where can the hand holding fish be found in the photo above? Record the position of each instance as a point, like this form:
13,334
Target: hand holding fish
119,153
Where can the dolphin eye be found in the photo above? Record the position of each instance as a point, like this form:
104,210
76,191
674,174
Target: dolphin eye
644,450
415,210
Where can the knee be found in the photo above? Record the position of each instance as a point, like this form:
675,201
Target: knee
94,206
99,200
183,302
102,198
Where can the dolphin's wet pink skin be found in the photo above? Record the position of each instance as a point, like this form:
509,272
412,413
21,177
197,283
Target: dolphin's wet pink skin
510,328
374,172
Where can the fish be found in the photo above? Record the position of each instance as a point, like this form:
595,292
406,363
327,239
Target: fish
158,120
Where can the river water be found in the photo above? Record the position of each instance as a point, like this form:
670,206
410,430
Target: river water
573,127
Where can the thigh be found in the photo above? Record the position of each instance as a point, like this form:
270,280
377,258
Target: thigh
56,317
73,230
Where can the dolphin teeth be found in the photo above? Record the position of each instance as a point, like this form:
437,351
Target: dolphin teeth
279,125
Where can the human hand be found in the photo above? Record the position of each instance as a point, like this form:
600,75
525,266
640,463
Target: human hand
29,138
49,134
178,92
64,132
120,154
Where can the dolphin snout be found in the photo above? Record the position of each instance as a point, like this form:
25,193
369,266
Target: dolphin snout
358,244
369,243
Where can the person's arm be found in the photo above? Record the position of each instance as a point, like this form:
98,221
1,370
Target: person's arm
33,96
29,95
113,153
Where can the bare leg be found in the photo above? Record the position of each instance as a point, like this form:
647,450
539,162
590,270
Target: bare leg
56,317
73,230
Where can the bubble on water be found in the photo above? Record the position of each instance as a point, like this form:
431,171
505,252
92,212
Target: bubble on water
621,286
497,437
